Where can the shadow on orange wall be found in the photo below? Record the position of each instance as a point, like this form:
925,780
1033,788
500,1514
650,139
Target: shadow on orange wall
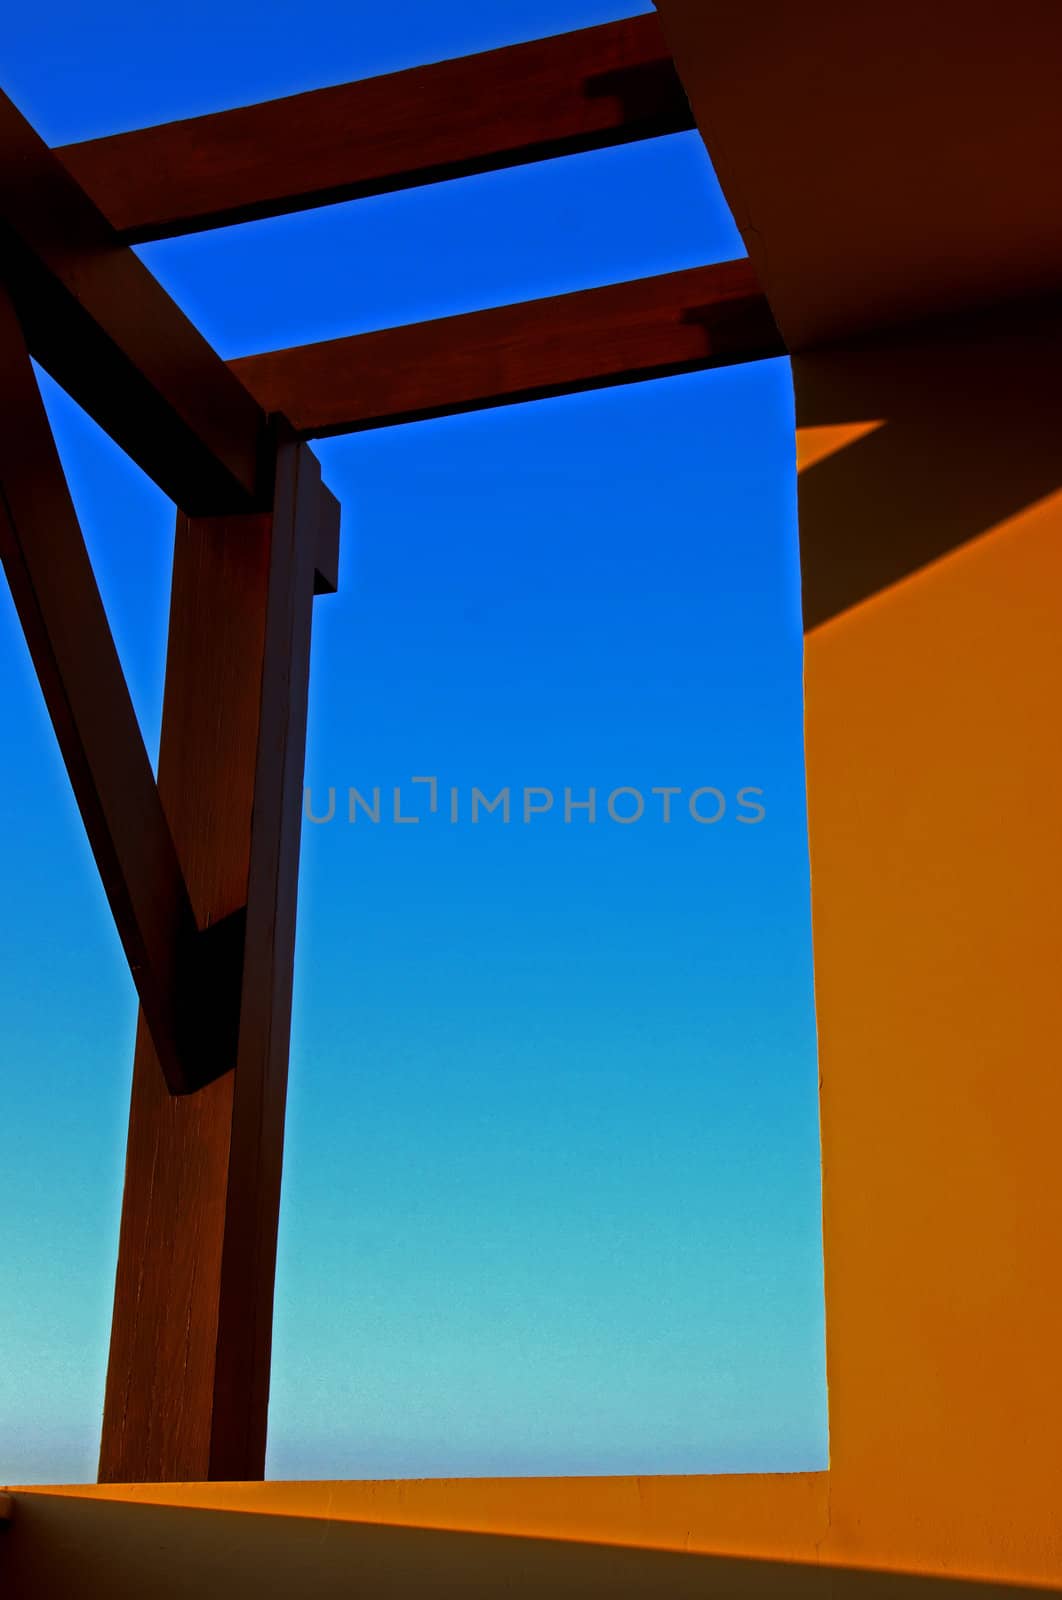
971,437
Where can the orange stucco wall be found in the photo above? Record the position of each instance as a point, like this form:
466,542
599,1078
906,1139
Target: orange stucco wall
777,1516
60,1546
887,165
934,767
661,1537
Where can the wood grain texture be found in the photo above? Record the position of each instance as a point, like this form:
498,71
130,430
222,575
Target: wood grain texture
577,91
84,688
649,328
187,1383
98,321
245,1313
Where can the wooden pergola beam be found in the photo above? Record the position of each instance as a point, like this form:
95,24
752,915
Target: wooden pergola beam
98,321
215,845
558,96
649,328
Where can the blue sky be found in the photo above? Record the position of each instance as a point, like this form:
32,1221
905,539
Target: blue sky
551,1198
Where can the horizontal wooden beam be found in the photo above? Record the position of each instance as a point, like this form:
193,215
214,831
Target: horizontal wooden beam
650,328
98,321
578,91
182,976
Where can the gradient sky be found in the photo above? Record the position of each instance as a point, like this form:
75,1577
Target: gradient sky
551,1195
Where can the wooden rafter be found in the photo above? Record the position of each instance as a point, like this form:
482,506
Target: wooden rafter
106,330
650,328
578,91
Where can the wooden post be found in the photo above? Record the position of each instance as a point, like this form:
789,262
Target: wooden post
188,1378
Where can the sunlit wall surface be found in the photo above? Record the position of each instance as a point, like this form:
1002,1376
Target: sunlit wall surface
551,1195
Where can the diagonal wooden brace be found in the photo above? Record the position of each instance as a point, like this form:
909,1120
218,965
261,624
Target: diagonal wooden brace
187,978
